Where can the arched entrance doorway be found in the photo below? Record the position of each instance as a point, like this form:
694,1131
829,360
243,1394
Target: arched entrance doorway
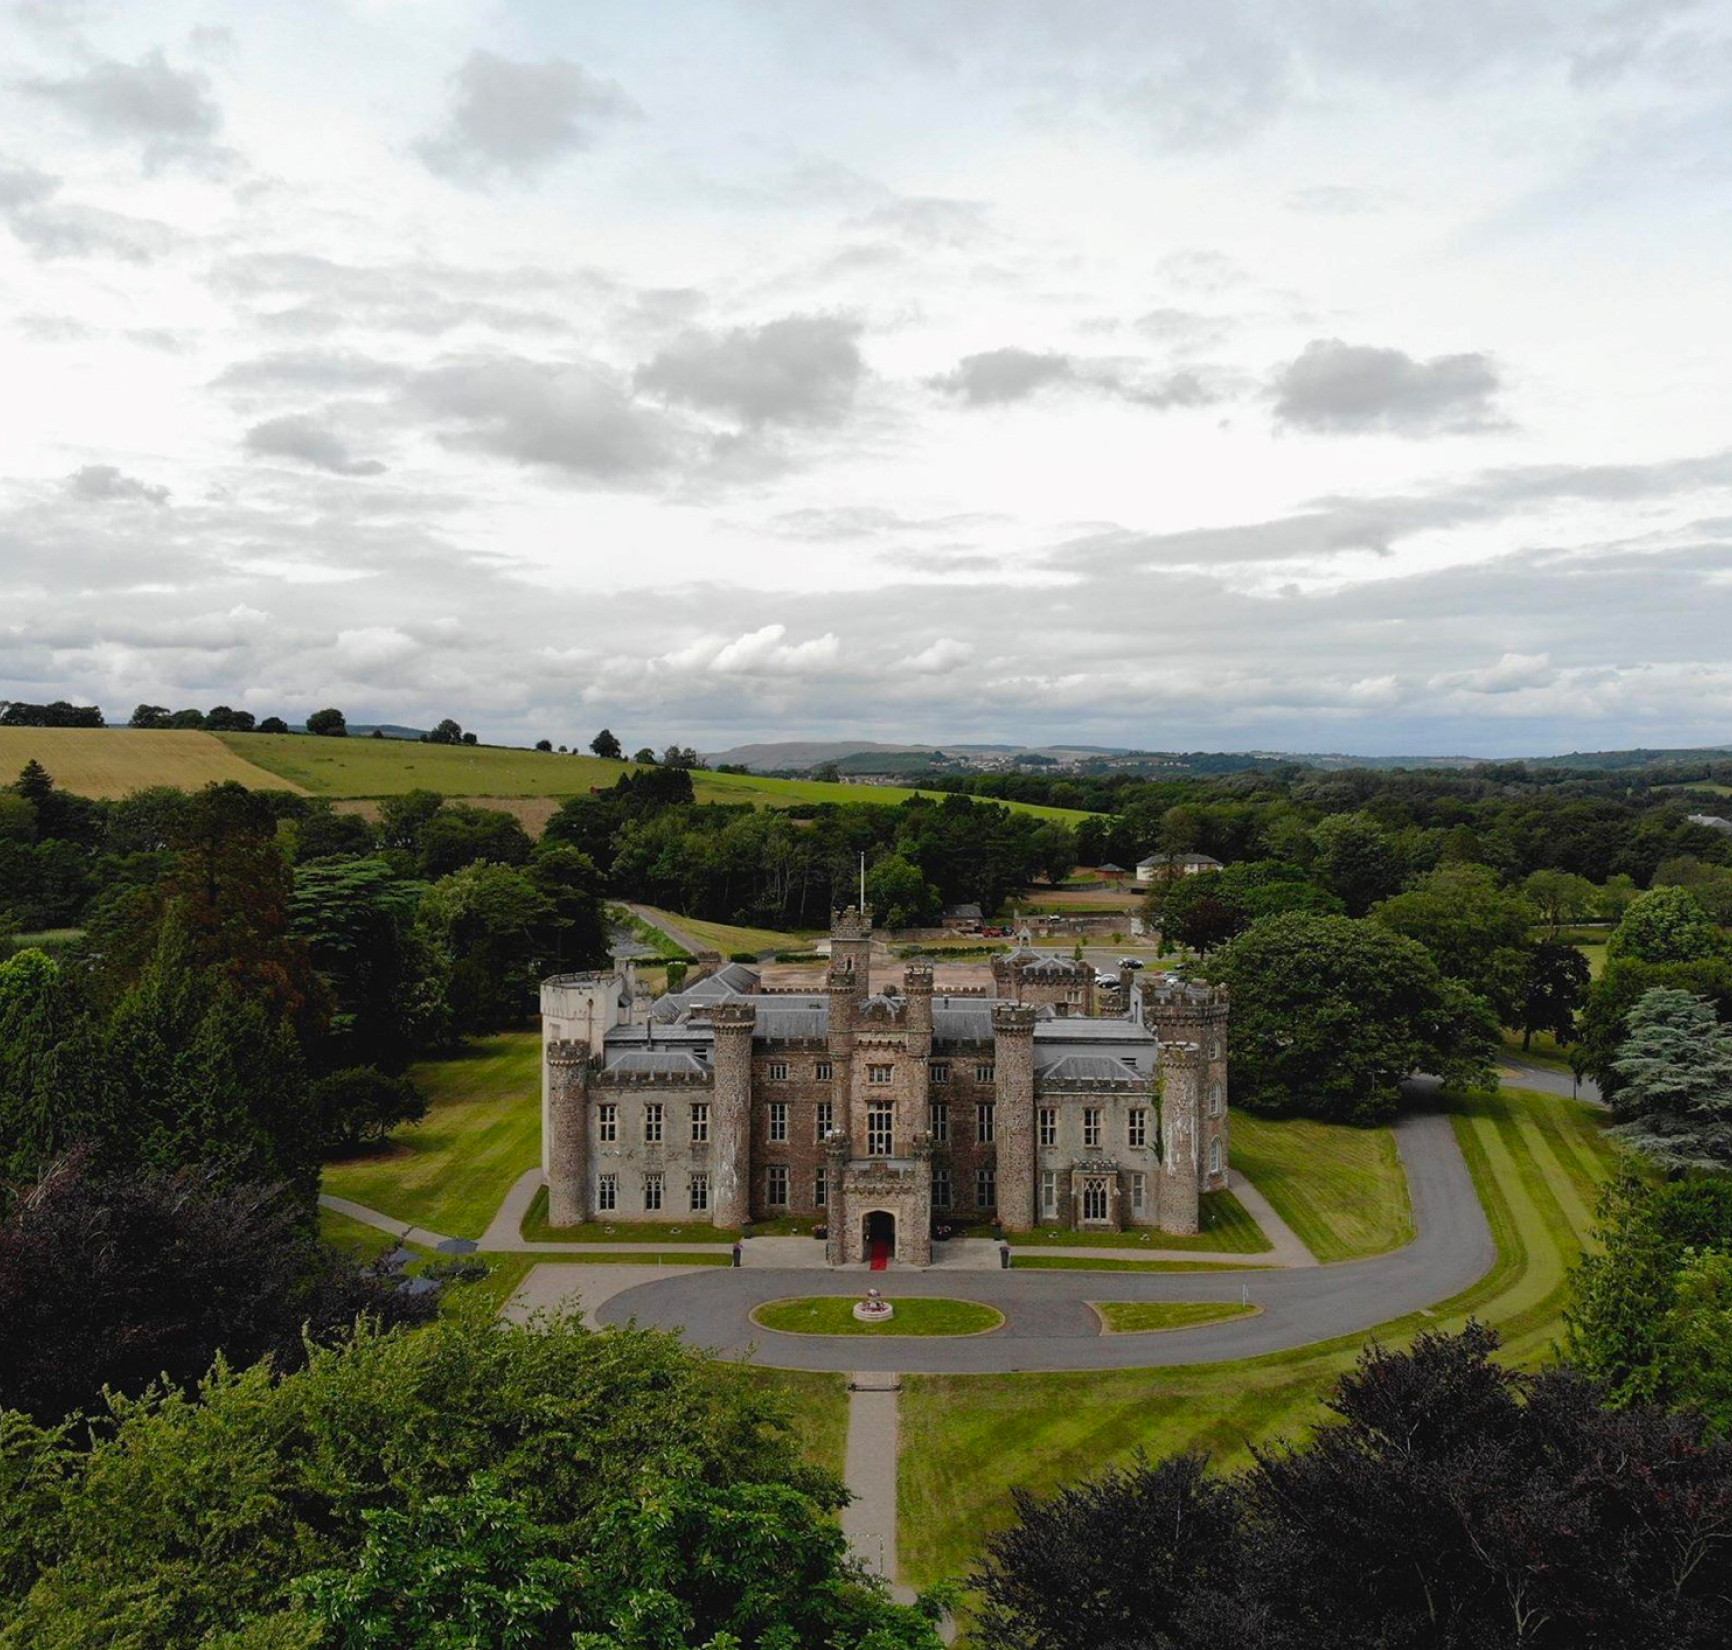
879,1231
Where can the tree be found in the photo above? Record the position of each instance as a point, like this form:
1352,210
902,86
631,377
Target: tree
224,719
1554,986
645,756
1054,848
605,745
447,732
1604,1020
485,923
1453,1503
1560,898
187,719
458,835
149,716
1356,861
1476,931
901,896
576,933
328,724
1675,1097
403,818
1666,925
323,833
1329,1014
360,1105
470,739
273,724
544,744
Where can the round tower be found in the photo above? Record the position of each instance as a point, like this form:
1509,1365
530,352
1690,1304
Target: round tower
1181,1079
567,1068
1013,1072
731,1097
1197,1014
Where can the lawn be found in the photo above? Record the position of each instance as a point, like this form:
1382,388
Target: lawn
536,1229
451,1172
1145,1317
727,938
1538,1163
1089,1263
114,762
1341,1189
1226,1224
782,793
914,1315
817,1407
388,767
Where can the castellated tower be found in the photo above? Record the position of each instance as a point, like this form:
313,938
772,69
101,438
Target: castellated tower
917,989
1197,1014
732,1099
1013,1060
851,944
1181,1075
580,1008
567,1134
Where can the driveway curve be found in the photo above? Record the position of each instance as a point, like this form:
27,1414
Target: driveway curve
1048,1324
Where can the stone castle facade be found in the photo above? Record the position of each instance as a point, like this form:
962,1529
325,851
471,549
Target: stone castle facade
881,1113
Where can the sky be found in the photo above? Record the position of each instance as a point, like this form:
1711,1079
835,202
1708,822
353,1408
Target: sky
1316,375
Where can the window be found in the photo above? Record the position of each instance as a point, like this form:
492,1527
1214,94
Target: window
985,1189
700,1122
698,1193
652,1123
1094,1198
983,1121
776,1185
821,1188
983,1073
1091,1125
942,1196
938,1120
1215,1155
1074,994
1139,1191
652,1193
1048,1126
1215,1047
1215,1098
1137,1127
878,1076
1049,1191
824,1072
940,1071
826,1117
779,1120
879,1126
778,1071
607,1123
1128,1060
607,1194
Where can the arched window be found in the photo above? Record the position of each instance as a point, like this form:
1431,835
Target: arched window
1215,1047
1215,1098
1215,1155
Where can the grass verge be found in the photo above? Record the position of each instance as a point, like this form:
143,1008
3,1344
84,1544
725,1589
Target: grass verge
536,1229
914,1315
1226,1226
1341,1189
817,1410
1106,1263
1146,1317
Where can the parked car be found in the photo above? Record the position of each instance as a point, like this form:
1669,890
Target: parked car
1130,962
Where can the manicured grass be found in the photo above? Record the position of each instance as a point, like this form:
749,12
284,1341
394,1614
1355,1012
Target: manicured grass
1087,1263
1341,1189
914,1315
727,938
1538,1163
114,762
366,1243
1226,1225
450,1172
817,1406
537,1230
1542,1050
1144,1317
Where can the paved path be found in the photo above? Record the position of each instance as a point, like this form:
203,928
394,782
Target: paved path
558,1286
685,941
382,1223
869,1520
1526,1074
1286,1247
1049,1325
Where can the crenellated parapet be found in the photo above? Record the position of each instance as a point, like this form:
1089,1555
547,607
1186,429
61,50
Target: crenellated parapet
852,923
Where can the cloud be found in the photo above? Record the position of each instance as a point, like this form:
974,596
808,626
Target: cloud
1339,389
520,118
996,377
760,652
802,369
943,656
63,229
928,220
99,483
303,438
169,111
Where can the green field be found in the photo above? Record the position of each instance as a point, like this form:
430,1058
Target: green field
817,1409
1227,1227
1341,1189
728,938
1538,1163
388,767
779,793
451,1172
914,1315
114,762
1146,1317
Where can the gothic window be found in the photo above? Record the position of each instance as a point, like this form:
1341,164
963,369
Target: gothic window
1137,1127
983,1073
1091,1125
938,1120
942,1195
779,1120
652,1193
1048,1126
700,1122
985,1189
607,1123
776,1185
1049,1191
940,1072
983,1122
607,1194
1215,1155
826,1117
1094,1198
1215,1098
1139,1191
880,1124
700,1193
1215,1047
878,1076
652,1123
824,1071
778,1071
821,1188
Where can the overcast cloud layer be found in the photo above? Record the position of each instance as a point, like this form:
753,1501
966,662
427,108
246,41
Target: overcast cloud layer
1165,373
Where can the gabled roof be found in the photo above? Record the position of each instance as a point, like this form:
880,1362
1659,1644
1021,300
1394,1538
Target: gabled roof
1088,1068
660,1062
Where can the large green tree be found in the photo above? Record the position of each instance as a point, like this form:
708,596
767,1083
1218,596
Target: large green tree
1666,925
486,925
1330,1014
1675,1093
1475,929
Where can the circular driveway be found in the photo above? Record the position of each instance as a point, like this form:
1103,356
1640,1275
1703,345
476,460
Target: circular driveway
1048,1324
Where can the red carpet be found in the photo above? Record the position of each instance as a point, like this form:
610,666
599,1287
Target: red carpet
880,1254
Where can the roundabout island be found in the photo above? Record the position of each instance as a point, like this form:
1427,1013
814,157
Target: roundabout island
924,1316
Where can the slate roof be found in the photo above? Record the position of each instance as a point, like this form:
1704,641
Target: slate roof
1088,1068
660,1062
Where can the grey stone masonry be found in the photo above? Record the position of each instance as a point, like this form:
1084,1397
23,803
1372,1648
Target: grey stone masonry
1181,1073
1198,1014
732,1023
1013,1059
568,1064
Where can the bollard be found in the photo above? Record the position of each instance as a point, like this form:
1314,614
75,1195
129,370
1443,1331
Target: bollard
1004,1257
737,1253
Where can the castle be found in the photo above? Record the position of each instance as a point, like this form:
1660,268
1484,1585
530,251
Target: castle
879,1113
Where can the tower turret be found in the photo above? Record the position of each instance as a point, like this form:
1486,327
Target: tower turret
1181,1076
732,1023
1013,1071
567,1068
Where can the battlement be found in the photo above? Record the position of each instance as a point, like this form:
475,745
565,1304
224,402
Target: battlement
917,978
1014,1019
736,1016
568,1051
1185,1002
1177,1056
851,924
618,1078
